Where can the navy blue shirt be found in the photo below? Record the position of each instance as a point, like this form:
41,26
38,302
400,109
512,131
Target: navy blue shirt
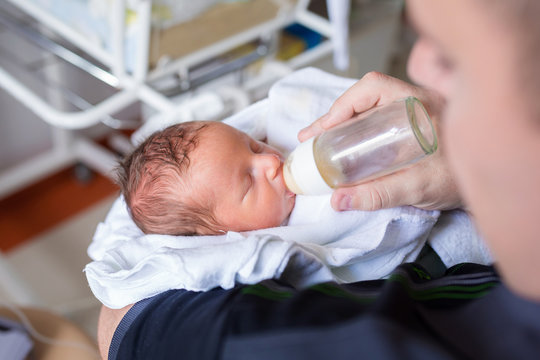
464,313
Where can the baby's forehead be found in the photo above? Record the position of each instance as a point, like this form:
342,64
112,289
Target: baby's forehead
217,142
217,128
214,160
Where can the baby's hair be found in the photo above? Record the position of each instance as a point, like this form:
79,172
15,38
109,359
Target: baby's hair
154,182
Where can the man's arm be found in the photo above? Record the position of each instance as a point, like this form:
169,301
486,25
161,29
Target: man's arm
412,315
107,324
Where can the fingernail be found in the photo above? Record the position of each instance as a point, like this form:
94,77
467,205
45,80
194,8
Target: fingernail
345,203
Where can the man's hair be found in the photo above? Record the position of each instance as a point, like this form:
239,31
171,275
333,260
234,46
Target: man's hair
154,180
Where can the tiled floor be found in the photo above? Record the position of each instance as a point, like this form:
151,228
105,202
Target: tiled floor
50,265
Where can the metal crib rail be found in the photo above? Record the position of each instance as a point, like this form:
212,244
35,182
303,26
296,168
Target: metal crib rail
135,86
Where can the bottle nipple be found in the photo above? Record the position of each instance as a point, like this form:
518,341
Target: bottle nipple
288,177
301,173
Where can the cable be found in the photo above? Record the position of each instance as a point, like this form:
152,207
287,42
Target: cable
44,339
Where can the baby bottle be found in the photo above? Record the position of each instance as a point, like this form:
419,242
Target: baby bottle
372,144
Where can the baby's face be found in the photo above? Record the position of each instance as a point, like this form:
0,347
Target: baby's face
242,177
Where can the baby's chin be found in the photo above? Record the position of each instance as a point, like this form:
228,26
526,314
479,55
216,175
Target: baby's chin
291,200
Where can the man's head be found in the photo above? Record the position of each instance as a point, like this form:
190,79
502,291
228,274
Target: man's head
481,55
204,178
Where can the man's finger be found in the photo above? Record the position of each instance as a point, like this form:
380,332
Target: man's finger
312,130
389,191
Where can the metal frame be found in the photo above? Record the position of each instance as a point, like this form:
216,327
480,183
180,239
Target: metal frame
132,86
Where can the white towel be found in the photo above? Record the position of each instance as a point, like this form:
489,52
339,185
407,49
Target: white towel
318,244
129,266
455,239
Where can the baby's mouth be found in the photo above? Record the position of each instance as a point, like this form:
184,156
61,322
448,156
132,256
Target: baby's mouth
288,193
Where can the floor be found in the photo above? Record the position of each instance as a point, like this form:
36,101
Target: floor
46,229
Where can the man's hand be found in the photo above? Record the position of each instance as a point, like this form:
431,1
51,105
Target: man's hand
428,184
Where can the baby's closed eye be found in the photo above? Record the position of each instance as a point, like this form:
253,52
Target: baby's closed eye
256,146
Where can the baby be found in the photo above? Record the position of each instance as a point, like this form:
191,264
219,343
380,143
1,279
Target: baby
204,178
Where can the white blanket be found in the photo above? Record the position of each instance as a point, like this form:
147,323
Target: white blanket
318,244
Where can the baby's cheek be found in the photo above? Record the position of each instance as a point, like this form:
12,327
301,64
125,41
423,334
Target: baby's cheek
268,221
278,216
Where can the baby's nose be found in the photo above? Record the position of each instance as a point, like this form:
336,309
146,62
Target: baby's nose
269,164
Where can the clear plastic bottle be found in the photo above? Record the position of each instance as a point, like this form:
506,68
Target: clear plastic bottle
370,145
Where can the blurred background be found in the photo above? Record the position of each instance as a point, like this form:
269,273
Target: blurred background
212,59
